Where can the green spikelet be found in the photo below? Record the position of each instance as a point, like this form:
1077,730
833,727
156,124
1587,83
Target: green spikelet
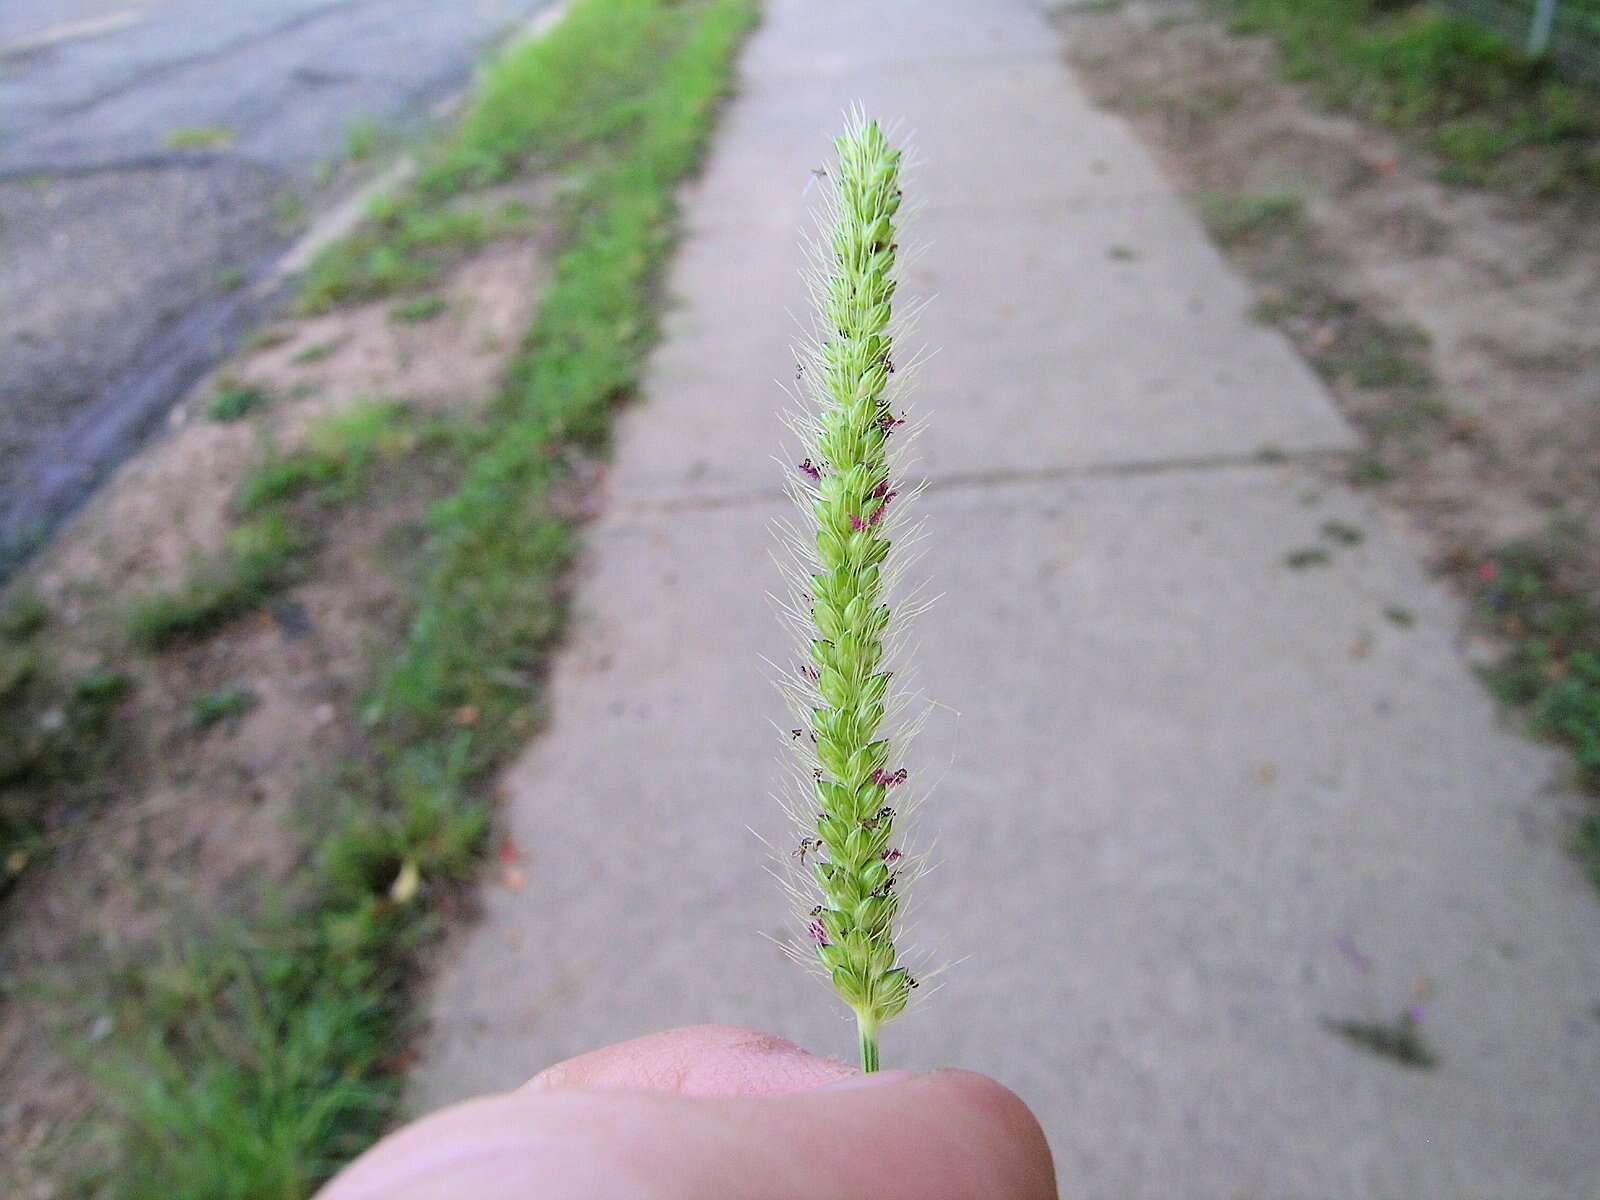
846,489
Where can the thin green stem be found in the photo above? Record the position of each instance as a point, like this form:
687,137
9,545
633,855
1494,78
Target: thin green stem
869,1044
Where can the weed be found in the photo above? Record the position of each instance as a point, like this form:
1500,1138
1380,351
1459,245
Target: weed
1368,470
1400,616
1386,357
261,557
57,739
23,615
200,137
361,140
1551,670
1343,534
288,212
102,690
228,704
316,353
1306,556
405,246
1120,253
339,451
1399,1040
235,401
230,279
1586,846
423,308
1273,310
846,495
269,339
1233,218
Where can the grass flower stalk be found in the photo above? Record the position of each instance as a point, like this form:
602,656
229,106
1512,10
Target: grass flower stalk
848,852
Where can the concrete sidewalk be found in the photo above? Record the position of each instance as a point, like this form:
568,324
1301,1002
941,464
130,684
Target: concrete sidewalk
1195,801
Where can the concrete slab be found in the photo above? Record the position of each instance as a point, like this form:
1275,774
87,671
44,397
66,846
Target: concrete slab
818,36
1185,776
1050,353
781,129
1195,801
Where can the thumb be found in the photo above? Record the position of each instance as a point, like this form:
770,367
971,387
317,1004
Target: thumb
899,1136
949,1135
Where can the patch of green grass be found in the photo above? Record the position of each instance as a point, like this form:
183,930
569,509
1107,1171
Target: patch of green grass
228,704
1551,669
361,140
257,1069
1399,1040
288,212
58,740
1368,470
339,451
1306,556
1492,115
22,615
1387,357
1235,217
261,557
1351,346
1400,616
200,137
1586,845
406,245
246,1068
1343,533
316,353
269,339
231,279
423,308
235,401
102,689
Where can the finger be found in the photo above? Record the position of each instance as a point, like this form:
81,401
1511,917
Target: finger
950,1135
700,1060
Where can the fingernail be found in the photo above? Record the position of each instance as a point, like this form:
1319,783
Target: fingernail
875,1079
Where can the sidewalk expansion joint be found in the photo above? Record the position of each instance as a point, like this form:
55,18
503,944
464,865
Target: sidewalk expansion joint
879,70
979,481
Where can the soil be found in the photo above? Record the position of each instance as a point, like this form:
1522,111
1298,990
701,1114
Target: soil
1482,411
202,815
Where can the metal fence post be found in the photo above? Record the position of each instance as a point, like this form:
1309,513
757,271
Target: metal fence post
1544,19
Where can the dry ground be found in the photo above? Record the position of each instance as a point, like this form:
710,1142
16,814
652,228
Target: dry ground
1455,326
199,816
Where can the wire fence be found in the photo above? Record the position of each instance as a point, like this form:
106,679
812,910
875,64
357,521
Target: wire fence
1565,31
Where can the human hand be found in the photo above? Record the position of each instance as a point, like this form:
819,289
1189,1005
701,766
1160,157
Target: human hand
716,1113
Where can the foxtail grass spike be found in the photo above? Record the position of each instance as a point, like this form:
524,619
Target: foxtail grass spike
849,849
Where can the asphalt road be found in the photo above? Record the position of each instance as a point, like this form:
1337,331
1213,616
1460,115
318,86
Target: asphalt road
121,253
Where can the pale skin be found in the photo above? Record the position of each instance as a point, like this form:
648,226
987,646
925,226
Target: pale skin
714,1112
